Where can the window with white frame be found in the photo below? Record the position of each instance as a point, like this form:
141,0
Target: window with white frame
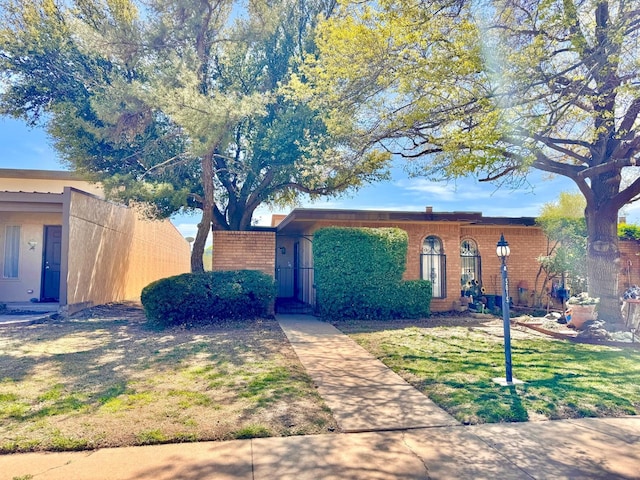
11,251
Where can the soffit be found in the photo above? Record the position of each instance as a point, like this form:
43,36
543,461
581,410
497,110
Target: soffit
31,202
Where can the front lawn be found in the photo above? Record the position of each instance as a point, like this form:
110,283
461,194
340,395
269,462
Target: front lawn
454,366
102,379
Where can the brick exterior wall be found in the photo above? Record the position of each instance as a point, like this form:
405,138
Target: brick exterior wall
256,250
629,264
250,250
527,243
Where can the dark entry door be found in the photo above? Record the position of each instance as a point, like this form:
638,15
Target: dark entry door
51,259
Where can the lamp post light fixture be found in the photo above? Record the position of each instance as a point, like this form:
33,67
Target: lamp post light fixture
503,251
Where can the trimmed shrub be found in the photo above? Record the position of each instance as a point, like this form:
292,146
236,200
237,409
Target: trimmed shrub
358,274
413,299
208,296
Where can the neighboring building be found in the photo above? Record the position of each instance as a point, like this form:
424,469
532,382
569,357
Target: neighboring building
60,241
452,250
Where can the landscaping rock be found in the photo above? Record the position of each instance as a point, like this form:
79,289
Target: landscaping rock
621,336
594,330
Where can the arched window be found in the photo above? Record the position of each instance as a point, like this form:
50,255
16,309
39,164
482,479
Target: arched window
434,266
470,278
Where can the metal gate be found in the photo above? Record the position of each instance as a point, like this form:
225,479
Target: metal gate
295,274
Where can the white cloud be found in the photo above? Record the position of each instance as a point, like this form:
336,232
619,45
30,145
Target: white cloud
631,212
190,230
444,191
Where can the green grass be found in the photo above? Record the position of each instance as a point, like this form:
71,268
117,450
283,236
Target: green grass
454,366
252,431
189,398
61,442
151,437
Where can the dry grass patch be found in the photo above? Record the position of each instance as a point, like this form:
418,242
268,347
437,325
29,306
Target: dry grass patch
103,379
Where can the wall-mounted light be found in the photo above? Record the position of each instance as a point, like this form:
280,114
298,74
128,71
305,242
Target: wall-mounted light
283,250
32,244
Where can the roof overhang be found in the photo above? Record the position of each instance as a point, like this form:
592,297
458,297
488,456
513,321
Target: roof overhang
39,174
301,219
31,202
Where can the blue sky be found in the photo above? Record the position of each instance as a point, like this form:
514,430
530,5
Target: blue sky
22,147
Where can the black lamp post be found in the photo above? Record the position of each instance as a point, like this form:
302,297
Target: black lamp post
503,251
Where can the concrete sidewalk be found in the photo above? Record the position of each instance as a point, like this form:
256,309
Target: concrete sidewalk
570,449
397,433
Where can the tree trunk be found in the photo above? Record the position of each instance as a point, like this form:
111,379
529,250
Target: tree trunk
204,227
603,257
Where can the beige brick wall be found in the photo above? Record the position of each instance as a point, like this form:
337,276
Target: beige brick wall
250,250
114,254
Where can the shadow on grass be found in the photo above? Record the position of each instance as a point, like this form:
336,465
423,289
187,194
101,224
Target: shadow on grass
367,326
110,370
563,380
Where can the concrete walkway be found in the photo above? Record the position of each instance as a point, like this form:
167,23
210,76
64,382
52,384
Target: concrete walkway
402,435
362,393
26,313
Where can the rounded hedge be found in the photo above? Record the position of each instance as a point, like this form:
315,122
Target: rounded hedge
208,296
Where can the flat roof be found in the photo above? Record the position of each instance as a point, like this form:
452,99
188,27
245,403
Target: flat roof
39,174
312,215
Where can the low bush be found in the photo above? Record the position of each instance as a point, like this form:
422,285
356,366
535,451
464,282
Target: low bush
208,296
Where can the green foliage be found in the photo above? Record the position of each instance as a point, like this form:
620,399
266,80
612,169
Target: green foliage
358,274
414,299
569,205
564,223
492,91
151,437
179,104
139,94
628,231
209,296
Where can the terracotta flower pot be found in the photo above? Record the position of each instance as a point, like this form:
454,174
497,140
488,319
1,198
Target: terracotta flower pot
581,314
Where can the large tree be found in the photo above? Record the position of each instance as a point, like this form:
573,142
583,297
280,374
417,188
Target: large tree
178,103
493,89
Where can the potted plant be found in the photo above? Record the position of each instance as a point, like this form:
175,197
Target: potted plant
581,308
